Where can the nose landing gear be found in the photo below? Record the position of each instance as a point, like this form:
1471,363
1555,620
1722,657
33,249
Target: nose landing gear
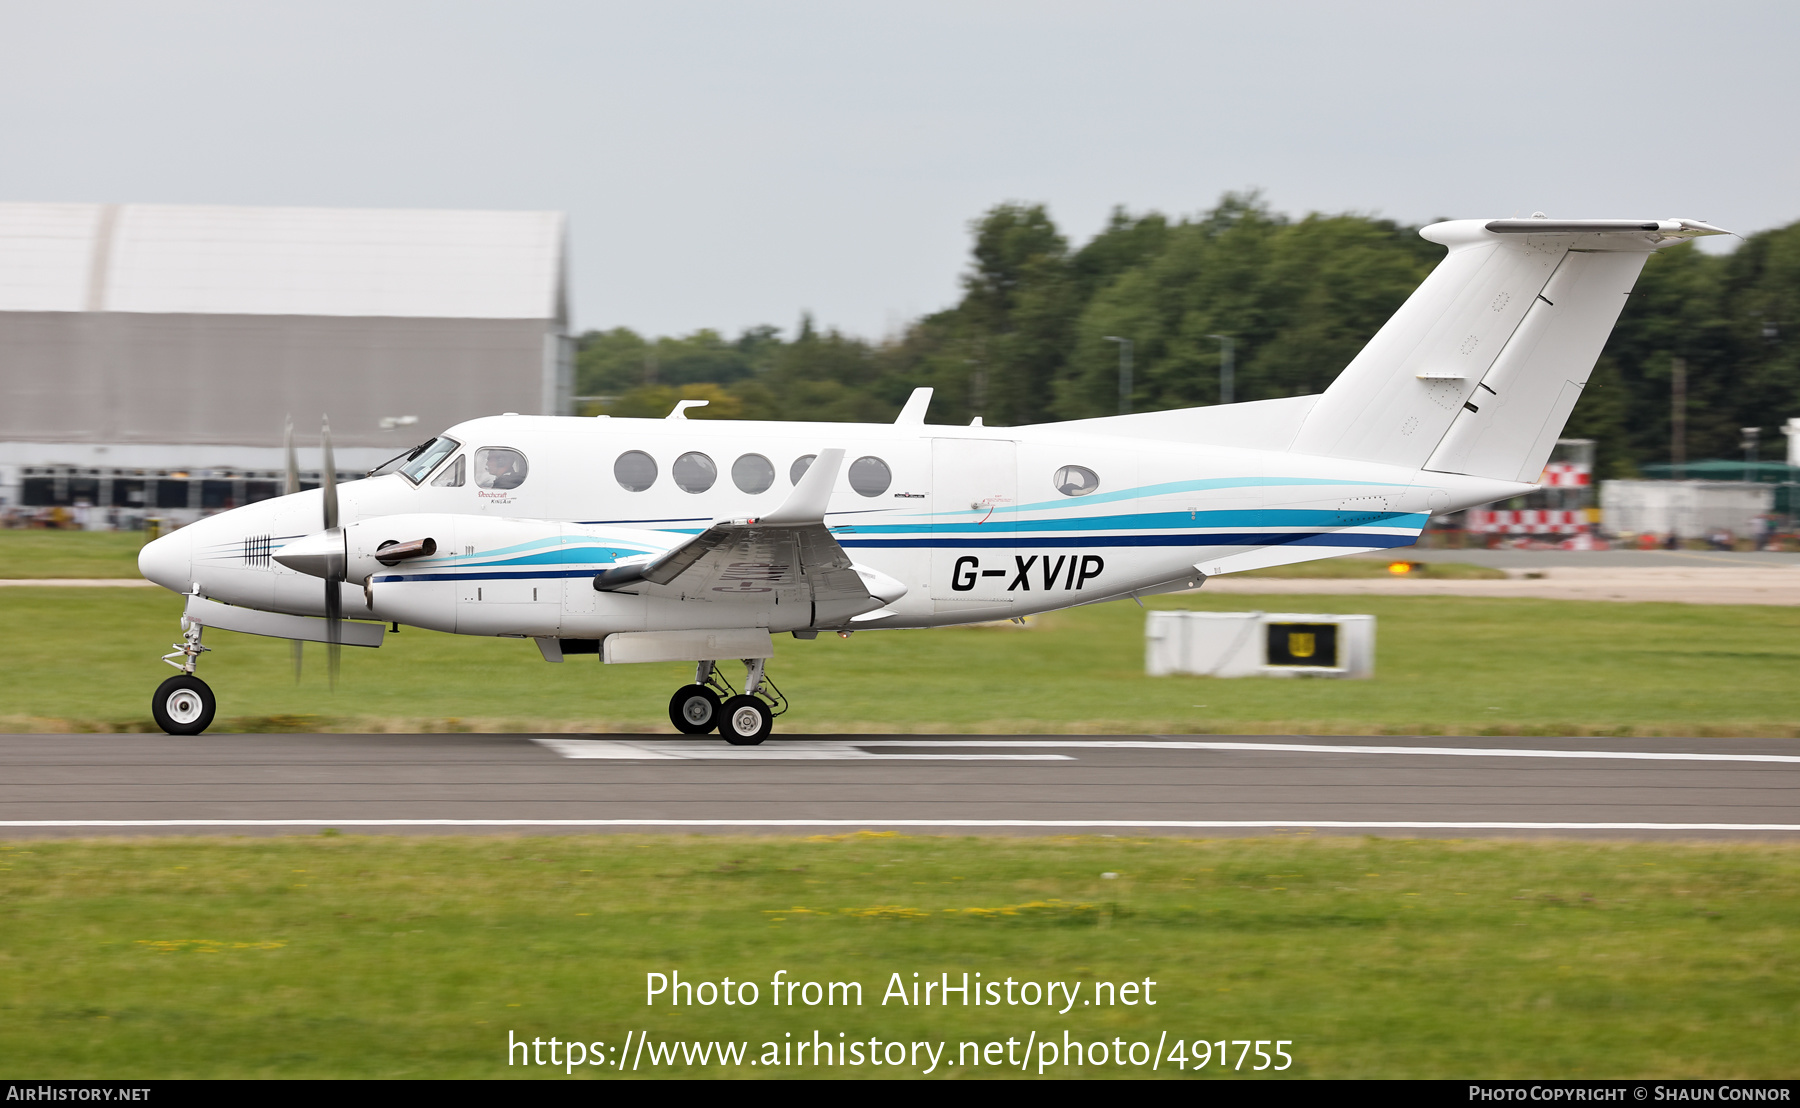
184,704
744,719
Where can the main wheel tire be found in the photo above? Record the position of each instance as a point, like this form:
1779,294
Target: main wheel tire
694,710
745,721
183,705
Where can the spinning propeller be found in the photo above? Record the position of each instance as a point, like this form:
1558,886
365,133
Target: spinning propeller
328,563
334,576
326,553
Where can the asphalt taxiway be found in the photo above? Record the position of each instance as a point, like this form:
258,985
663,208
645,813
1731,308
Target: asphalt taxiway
1185,785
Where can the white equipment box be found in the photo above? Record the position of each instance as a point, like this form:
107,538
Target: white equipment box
1259,644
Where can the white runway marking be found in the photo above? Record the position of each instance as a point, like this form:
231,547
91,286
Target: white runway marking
638,750
859,750
1320,748
1096,824
79,582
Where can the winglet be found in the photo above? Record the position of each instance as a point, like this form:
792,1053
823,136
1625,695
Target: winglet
914,412
681,407
808,501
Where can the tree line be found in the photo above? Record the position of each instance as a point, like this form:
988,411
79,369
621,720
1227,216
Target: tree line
1034,335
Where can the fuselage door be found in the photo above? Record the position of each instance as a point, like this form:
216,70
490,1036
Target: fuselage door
975,498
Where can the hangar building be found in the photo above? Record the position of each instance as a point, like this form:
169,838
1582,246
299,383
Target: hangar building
150,354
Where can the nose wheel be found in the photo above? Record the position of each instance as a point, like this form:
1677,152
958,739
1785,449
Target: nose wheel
744,719
183,705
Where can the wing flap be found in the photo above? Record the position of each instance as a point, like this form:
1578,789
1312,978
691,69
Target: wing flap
741,561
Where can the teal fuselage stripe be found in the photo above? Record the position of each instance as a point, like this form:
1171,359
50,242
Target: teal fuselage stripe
1153,521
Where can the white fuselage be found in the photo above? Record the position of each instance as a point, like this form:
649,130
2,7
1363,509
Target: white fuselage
969,521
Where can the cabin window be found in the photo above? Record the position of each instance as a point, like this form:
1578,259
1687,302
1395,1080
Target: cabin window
753,473
870,476
499,467
416,464
454,474
635,471
1076,481
694,472
799,468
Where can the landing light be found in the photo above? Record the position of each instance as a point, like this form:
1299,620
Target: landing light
1401,569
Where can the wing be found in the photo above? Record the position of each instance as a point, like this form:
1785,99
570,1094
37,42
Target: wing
786,557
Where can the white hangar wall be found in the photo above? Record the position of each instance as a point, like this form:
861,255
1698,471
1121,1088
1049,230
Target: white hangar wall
175,325
121,378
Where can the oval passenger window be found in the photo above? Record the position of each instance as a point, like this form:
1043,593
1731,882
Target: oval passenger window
752,473
635,471
694,472
870,476
499,467
1076,481
799,468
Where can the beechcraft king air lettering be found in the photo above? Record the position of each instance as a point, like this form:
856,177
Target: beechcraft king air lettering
676,540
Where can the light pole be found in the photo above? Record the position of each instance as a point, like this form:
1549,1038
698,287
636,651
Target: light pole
1227,366
1124,373
1752,436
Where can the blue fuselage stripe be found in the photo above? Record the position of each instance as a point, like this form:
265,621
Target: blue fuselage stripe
1253,538
998,542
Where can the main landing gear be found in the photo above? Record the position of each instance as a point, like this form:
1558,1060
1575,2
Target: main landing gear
710,703
184,704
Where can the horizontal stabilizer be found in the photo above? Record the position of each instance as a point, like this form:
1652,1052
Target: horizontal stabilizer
1684,227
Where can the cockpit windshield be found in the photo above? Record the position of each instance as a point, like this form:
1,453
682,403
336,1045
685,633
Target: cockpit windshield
400,459
416,464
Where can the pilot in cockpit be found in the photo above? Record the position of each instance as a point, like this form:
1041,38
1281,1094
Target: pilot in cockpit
500,468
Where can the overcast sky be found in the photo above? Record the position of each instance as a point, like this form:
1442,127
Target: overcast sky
734,163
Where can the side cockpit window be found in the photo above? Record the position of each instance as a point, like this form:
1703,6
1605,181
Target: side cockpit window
499,467
454,474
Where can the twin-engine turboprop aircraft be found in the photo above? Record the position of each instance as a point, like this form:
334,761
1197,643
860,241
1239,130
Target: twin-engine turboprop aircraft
675,540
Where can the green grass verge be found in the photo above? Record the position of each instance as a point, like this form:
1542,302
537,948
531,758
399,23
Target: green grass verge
85,659
36,554
401,956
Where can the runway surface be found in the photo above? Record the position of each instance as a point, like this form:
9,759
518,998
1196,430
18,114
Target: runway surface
1198,786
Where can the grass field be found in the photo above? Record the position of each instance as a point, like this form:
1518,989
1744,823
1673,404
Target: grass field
86,659
26,554
395,956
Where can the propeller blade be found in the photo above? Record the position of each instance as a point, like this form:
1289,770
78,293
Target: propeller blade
328,478
334,627
289,487
334,593
292,484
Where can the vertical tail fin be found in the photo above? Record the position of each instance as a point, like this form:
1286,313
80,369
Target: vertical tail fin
1478,370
